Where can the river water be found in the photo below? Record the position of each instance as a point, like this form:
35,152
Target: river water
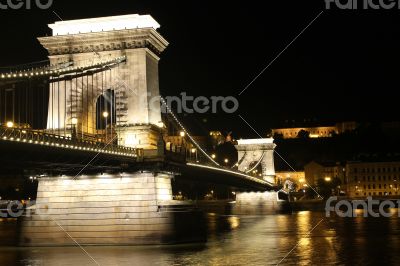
245,240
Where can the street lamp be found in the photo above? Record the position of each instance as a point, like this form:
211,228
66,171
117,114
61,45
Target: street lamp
194,151
226,161
10,124
182,134
213,156
105,115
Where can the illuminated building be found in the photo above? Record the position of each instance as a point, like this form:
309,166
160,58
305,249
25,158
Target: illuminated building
372,178
298,178
324,170
315,132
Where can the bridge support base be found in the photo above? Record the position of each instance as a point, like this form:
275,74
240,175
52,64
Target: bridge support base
128,209
140,136
268,202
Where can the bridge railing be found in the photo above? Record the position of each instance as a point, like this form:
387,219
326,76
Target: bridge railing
44,138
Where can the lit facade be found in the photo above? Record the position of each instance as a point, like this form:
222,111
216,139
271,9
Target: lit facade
216,138
373,178
298,178
290,133
315,132
324,170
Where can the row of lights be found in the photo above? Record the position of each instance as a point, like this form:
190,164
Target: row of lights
74,121
50,72
68,146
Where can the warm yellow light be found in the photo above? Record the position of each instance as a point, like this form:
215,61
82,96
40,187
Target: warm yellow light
182,133
74,121
193,150
105,114
327,179
226,160
301,180
10,124
213,156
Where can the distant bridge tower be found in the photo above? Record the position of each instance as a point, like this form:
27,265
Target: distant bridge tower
127,94
254,152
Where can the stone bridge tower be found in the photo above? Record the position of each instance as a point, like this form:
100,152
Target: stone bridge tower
254,152
133,84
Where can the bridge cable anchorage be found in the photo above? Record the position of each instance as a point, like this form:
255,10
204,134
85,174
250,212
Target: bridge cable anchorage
186,132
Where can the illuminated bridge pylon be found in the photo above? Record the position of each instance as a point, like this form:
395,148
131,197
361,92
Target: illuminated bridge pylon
257,152
113,88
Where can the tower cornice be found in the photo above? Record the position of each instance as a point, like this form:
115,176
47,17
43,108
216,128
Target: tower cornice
105,41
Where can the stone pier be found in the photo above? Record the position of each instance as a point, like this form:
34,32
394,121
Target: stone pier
268,202
123,209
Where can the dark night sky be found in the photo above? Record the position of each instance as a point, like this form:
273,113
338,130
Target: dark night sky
344,66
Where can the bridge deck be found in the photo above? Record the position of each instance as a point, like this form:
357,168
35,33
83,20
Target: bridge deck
38,152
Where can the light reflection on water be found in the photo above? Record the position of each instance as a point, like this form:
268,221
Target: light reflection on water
246,240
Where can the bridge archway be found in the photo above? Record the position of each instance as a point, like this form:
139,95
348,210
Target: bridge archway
105,110
255,153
